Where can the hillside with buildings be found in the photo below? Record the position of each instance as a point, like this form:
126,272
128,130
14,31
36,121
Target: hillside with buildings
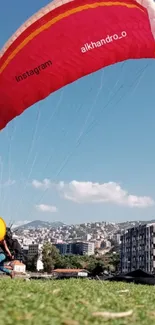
83,239
39,231
134,241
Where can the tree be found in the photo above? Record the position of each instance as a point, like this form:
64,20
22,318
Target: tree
115,260
69,262
50,257
112,261
96,267
99,268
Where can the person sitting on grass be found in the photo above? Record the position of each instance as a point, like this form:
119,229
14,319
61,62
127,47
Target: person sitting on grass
4,252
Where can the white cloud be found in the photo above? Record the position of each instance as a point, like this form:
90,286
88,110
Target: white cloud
8,183
45,184
111,192
46,208
89,192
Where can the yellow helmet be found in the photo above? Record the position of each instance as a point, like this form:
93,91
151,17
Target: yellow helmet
2,229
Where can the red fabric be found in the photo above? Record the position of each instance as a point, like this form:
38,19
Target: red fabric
61,45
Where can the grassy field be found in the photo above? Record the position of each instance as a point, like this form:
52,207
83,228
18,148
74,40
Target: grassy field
74,302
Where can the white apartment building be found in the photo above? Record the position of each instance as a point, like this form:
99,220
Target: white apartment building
32,251
138,249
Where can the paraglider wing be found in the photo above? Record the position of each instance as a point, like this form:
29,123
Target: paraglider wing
67,40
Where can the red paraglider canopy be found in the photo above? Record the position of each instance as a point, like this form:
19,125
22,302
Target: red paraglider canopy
66,41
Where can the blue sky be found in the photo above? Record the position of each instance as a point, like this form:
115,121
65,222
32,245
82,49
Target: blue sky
45,175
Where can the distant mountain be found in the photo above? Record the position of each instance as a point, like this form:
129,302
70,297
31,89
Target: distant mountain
40,224
110,226
130,224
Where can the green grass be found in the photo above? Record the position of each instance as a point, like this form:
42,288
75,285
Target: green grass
72,302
